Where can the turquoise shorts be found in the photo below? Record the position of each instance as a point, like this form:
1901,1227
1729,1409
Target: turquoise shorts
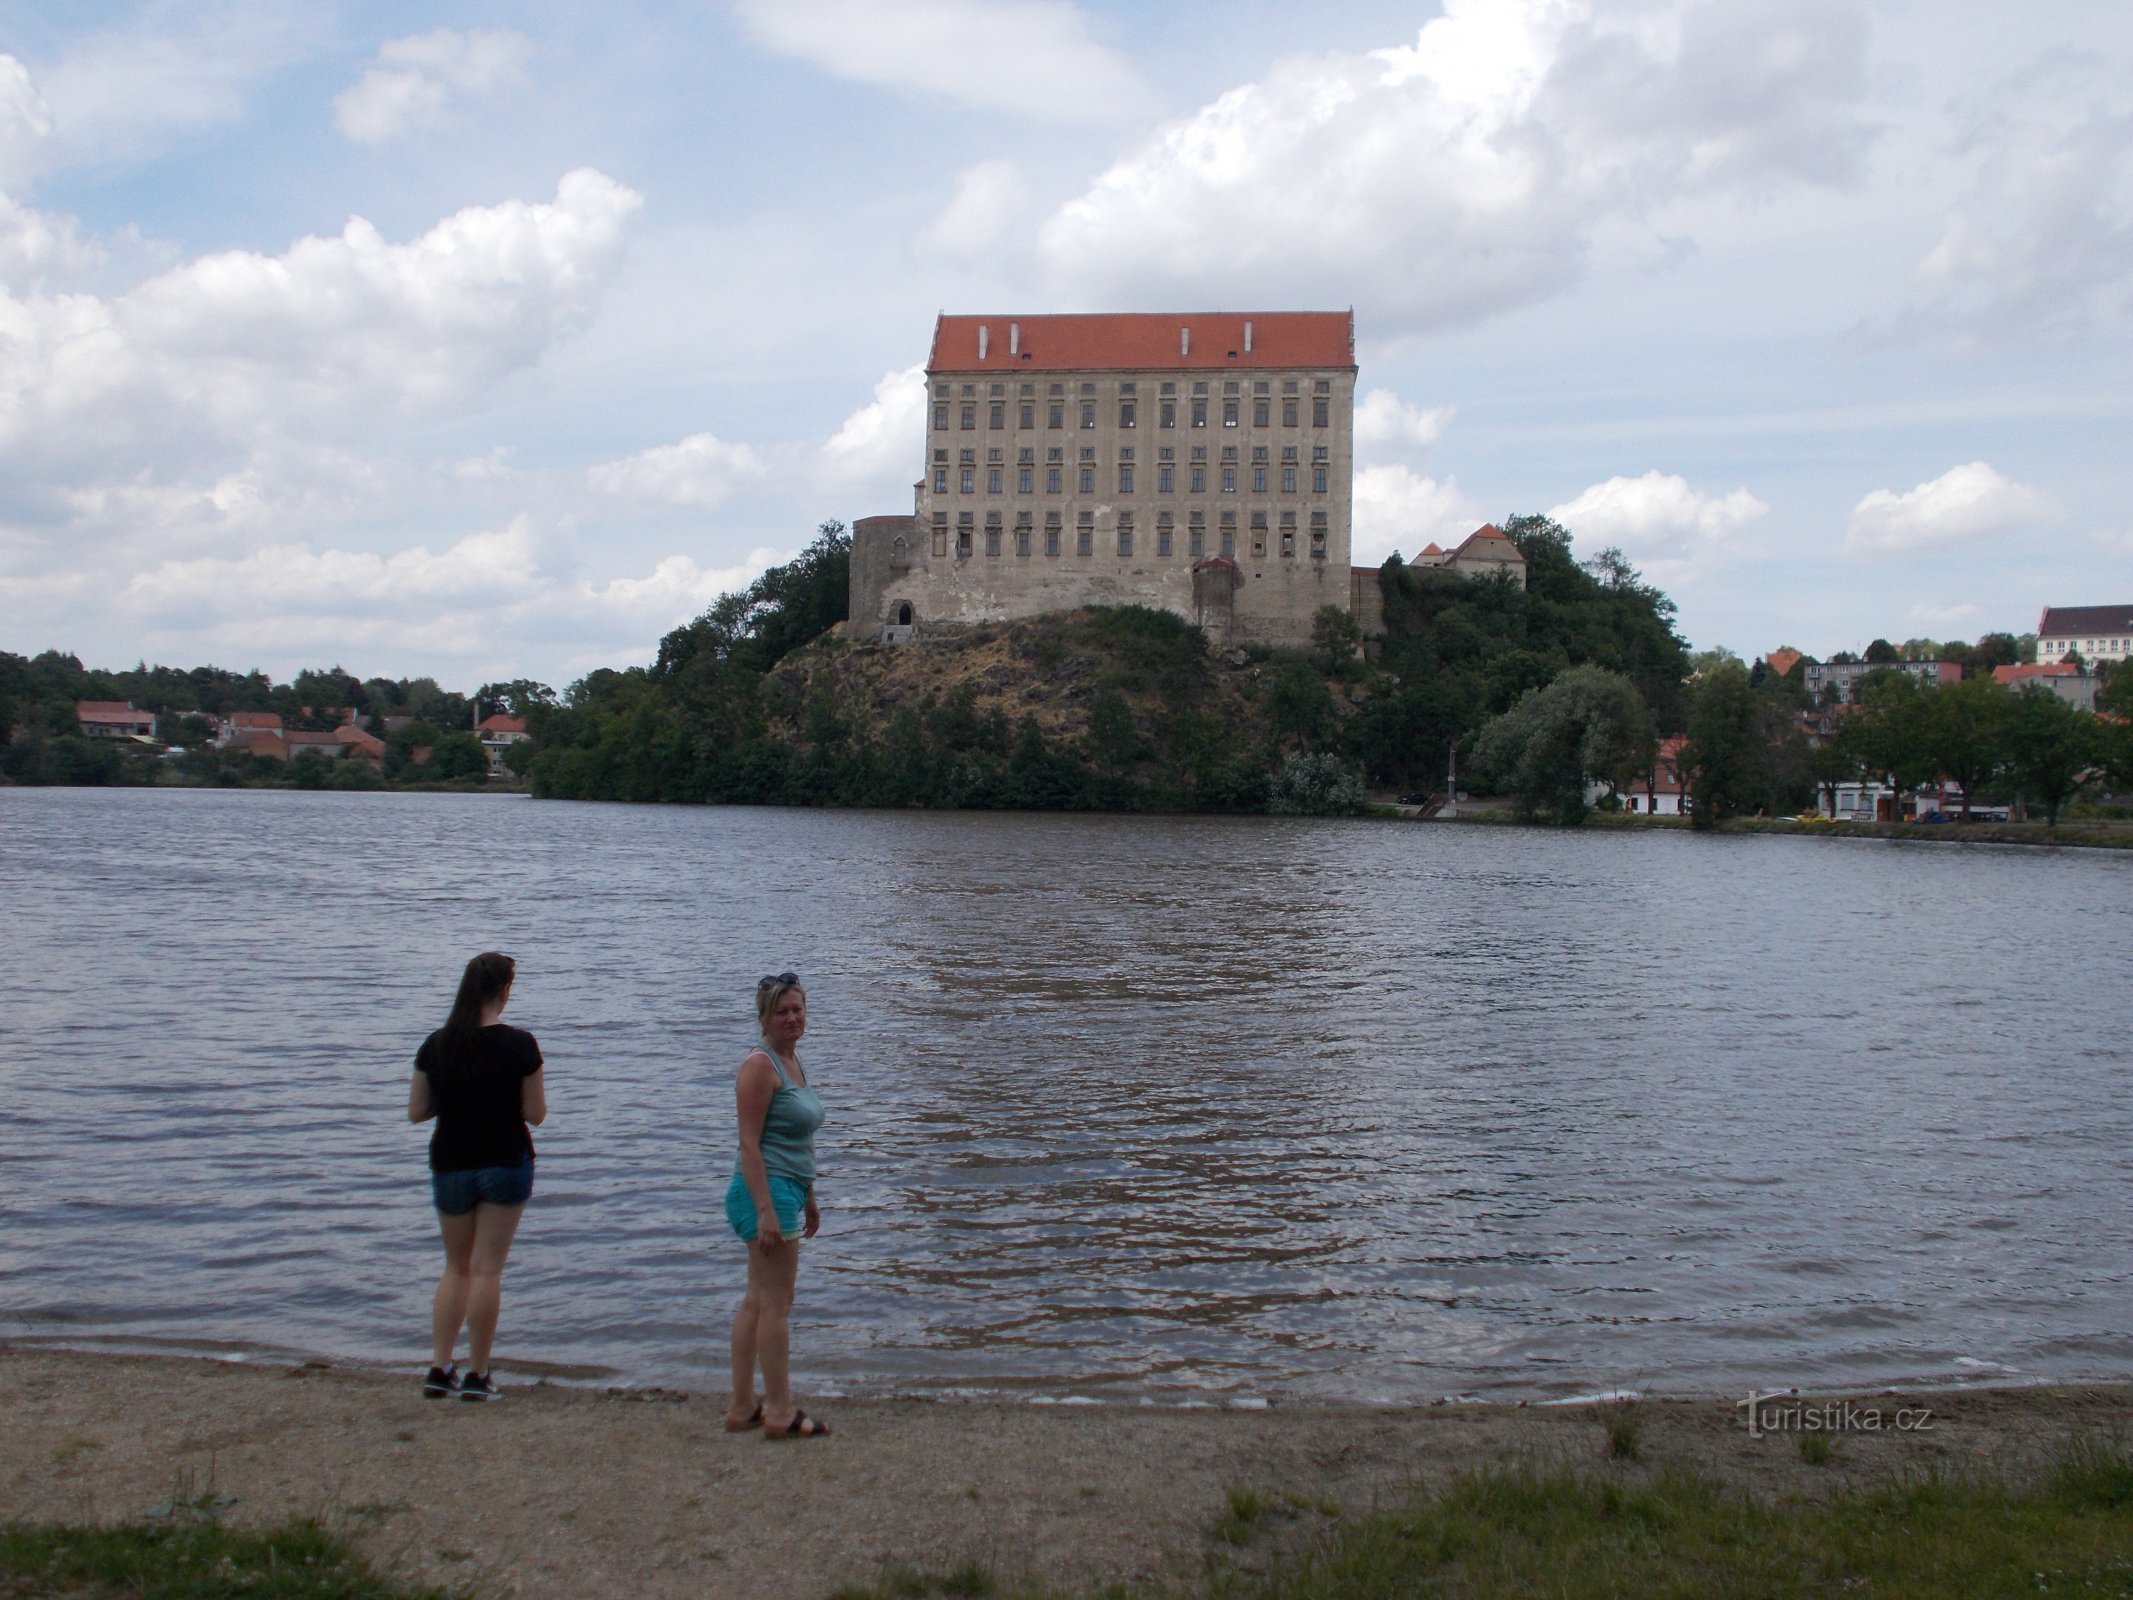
788,1198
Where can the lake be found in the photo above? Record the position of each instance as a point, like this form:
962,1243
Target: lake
1157,1108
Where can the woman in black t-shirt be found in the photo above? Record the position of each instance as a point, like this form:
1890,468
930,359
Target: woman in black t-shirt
483,1082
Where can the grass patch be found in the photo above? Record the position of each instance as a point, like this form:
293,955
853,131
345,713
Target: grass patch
1511,1534
1625,1431
970,1581
1241,1520
1817,1449
190,1559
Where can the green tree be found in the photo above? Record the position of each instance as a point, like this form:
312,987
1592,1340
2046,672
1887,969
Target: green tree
519,697
1723,763
1881,653
1588,726
2052,749
1299,706
1315,783
1964,732
458,756
1890,735
2115,696
1335,640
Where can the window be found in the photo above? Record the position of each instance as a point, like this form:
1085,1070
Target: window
1167,388
1321,409
940,472
1199,413
1025,478
1088,470
1259,535
1088,391
1319,470
992,533
992,480
1022,532
1162,533
1165,478
1259,469
970,388
970,480
1261,406
1229,480
1229,533
1125,536
1026,414
970,415
1288,533
1125,471
1288,411
1055,414
1051,533
1125,413
1166,414
1288,480
996,414
1051,479
1196,535
1229,413
1085,535
997,389
940,416
1318,536
1088,413
1198,482
962,534
940,533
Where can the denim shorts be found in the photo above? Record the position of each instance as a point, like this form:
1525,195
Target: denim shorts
788,1198
455,1193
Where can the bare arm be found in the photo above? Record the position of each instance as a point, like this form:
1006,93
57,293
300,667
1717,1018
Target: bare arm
533,1096
757,1082
421,1104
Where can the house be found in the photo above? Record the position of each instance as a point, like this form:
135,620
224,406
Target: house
1839,680
1781,662
1484,553
267,742
113,719
329,745
2062,678
1200,463
2095,633
229,728
1660,792
499,733
361,744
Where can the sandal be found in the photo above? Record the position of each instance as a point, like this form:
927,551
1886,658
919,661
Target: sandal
802,1426
755,1421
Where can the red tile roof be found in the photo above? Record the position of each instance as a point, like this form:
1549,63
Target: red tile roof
1782,661
1144,341
2034,669
109,711
268,720
497,722
362,738
1431,549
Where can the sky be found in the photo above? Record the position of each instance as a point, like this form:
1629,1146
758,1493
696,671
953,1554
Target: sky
494,341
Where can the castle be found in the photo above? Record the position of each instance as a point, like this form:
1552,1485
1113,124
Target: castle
1200,463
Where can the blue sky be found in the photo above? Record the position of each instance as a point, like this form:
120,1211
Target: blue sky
489,341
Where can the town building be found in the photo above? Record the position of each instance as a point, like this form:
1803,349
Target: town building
113,719
498,732
1487,552
2095,633
1197,462
1839,680
2062,678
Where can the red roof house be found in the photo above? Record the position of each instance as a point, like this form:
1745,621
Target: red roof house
1143,341
113,719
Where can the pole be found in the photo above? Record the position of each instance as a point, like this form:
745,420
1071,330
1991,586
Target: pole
1451,785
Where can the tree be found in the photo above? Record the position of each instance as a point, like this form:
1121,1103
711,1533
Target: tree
2051,749
1315,783
1335,640
519,697
1881,653
1588,726
2116,694
1889,735
1964,732
1722,763
1299,705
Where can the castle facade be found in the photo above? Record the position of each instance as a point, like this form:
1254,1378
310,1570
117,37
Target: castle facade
1199,462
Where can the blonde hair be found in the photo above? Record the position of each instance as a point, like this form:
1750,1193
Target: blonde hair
769,992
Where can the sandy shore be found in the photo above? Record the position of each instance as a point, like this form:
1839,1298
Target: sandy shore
579,1492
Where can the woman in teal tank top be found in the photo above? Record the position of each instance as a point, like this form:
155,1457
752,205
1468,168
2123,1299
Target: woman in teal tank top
770,1203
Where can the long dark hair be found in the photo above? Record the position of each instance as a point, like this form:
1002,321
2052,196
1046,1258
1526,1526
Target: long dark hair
487,976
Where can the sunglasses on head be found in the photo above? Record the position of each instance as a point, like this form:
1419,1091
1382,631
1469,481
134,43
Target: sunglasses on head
771,983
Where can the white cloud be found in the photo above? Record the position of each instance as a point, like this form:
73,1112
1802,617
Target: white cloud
479,599
1464,174
25,123
332,333
2042,237
1033,58
1944,616
700,470
1385,419
416,79
990,199
37,248
879,443
1658,521
1961,506
1398,509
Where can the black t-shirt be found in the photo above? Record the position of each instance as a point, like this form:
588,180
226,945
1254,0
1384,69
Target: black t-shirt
476,1092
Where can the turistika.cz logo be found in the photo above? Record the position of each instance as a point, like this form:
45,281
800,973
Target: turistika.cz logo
1780,1412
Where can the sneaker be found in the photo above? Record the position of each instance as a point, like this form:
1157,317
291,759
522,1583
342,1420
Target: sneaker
441,1382
477,1386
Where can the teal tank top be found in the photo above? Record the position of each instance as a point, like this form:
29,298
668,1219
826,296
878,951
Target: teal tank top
789,1128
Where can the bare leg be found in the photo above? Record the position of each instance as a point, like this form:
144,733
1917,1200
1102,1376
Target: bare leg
450,1308
740,1403
494,1228
771,1275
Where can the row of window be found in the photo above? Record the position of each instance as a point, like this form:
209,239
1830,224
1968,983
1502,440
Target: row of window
1198,406
1229,473
1025,532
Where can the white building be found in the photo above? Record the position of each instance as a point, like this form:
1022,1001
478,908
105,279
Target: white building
2095,633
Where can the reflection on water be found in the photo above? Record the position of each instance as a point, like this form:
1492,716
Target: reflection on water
1155,1106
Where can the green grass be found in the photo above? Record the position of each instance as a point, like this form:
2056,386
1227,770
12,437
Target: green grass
1509,1535
188,1560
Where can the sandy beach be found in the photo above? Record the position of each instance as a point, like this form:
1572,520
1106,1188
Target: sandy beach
568,1491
